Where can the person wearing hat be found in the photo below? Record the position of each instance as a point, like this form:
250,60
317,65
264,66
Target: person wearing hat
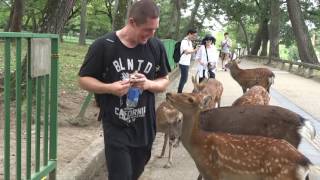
207,58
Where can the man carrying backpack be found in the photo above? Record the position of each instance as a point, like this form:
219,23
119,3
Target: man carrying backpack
186,50
126,68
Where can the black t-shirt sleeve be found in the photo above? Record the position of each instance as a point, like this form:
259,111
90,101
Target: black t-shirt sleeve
94,61
164,65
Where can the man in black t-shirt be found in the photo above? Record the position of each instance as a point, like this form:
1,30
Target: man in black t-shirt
126,68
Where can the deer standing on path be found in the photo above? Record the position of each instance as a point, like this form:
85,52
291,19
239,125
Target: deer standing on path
169,122
223,156
248,78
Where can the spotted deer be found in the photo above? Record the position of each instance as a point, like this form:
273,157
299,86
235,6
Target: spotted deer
210,87
248,78
226,156
257,95
169,122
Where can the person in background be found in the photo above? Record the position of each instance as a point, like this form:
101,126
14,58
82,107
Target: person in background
207,57
186,49
124,69
225,50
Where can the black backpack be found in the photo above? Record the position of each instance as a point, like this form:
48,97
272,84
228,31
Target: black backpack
176,53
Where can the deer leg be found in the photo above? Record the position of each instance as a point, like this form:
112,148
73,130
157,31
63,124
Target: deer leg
166,137
222,62
244,89
169,163
176,144
199,177
218,102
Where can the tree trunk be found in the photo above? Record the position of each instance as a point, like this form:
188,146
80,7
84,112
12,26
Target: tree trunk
177,6
16,21
257,41
83,26
274,30
265,38
119,16
7,27
129,4
300,30
56,16
194,13
245,34
34,23
109,9
170,31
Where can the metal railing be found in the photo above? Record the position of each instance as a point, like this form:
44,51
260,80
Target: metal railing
34,100
304,69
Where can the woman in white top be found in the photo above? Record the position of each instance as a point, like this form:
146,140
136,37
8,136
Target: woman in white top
207,58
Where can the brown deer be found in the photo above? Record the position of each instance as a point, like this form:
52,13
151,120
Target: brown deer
248,78
257,95
224,156
169,122
268,121
210,87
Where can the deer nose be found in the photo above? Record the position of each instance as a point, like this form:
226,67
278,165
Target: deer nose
168,94
172,138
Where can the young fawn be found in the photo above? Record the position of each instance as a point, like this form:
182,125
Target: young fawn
210,87
169,122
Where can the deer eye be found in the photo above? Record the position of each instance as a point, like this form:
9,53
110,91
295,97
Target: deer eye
190,100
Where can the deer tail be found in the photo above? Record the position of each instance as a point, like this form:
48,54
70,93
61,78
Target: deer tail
307,130
271,80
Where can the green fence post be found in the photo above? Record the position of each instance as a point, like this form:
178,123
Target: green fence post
53,104
18,108
7,109
29,113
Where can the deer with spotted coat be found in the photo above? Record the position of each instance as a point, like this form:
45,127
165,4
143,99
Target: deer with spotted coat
169,122
257,95
225,156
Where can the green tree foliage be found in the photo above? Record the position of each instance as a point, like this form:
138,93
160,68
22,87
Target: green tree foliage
241,18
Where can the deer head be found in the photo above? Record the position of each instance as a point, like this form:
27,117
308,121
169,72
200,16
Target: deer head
198,87
231,63
188,102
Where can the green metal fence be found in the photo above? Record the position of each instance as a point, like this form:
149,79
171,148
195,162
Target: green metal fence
169,46
30,105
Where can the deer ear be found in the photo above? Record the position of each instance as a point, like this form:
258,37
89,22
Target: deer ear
205,102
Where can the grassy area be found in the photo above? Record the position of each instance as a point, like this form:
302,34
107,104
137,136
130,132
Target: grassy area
284,52
75,39
71,56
